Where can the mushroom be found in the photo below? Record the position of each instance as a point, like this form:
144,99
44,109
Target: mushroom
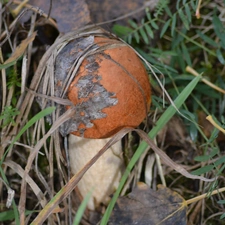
109,89
113,88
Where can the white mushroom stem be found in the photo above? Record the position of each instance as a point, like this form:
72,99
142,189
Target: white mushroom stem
104,176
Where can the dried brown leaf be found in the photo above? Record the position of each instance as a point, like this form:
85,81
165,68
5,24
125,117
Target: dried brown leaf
19,51
149,207
107,12
69,14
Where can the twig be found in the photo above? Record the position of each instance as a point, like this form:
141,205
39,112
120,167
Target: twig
197,13
195,73
210,119
200,197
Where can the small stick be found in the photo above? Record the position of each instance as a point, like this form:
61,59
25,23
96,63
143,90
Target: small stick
195,73
197,13
200,197
210,119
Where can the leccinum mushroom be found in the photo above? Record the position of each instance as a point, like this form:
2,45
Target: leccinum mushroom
109,87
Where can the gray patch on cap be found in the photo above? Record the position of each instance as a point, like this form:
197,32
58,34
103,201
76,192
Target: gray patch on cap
95,98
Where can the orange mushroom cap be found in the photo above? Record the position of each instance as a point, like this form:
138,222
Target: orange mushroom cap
111,90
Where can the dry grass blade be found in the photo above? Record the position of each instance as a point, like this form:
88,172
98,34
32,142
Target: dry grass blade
19,51
167,161
210,84
210,119
54,99
200,197
19,170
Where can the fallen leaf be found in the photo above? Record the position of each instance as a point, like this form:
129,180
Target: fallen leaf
149,207
19,51
68,14
102,10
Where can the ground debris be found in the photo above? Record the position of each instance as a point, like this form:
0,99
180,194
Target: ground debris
149,207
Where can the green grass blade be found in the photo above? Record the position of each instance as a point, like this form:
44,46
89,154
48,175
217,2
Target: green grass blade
7,65
16,213
10,215
165,28
167,115
82,208
203,47
203,170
